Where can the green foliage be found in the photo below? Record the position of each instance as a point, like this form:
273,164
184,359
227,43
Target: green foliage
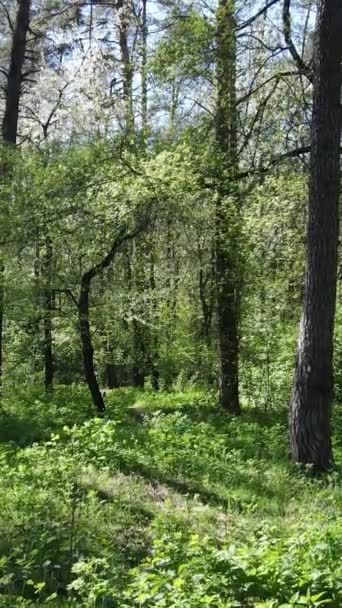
164,503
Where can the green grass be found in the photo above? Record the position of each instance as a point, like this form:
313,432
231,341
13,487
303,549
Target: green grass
166,502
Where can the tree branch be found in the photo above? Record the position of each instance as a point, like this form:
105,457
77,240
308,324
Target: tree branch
257,15
305,69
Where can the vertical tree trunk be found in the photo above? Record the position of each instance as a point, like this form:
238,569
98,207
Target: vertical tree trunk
136,285
2,298
11,116
227,220
123,12
15,73
87,345
310,408
154,343
144,34
47,318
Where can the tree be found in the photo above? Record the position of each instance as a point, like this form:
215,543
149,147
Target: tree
13,92
226,238
310,408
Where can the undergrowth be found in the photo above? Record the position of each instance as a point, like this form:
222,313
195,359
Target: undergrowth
166,502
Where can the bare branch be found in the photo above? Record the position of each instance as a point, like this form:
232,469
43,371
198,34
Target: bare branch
305,69
257,15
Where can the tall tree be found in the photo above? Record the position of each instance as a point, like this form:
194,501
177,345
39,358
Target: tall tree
11,114
310,409
226,242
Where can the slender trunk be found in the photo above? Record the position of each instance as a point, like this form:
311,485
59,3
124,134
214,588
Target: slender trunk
144,34
206,301
37,307
87,345
310,408
154,351
227,220
123,12
47,317
135,287
2,297
138,355
83,312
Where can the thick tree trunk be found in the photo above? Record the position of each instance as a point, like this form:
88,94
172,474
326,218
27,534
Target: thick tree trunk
310,408
11,116
15,73
227,220
87,345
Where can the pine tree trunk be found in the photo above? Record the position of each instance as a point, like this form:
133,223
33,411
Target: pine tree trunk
227,220
11,116
310,408
15,73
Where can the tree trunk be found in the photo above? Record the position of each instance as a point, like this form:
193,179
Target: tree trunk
10,118
111,376
154,348
310,408
2,298
144,34
15,73
47,318
87,345
227,215
83,312
123,13
136,287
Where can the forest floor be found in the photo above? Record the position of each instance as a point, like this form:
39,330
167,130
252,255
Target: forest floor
166,502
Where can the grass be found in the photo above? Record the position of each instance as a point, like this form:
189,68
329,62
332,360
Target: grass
166,502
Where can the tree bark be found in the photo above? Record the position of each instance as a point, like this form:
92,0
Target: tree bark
2,298
10,118
310,407
87,345
136,285
144,34
226,220
123,12
83,313
15,73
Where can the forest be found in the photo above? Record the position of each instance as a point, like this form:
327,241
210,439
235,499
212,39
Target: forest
170,304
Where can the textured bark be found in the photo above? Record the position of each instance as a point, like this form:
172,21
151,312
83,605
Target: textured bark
15,73
226,240
310,408
11,116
